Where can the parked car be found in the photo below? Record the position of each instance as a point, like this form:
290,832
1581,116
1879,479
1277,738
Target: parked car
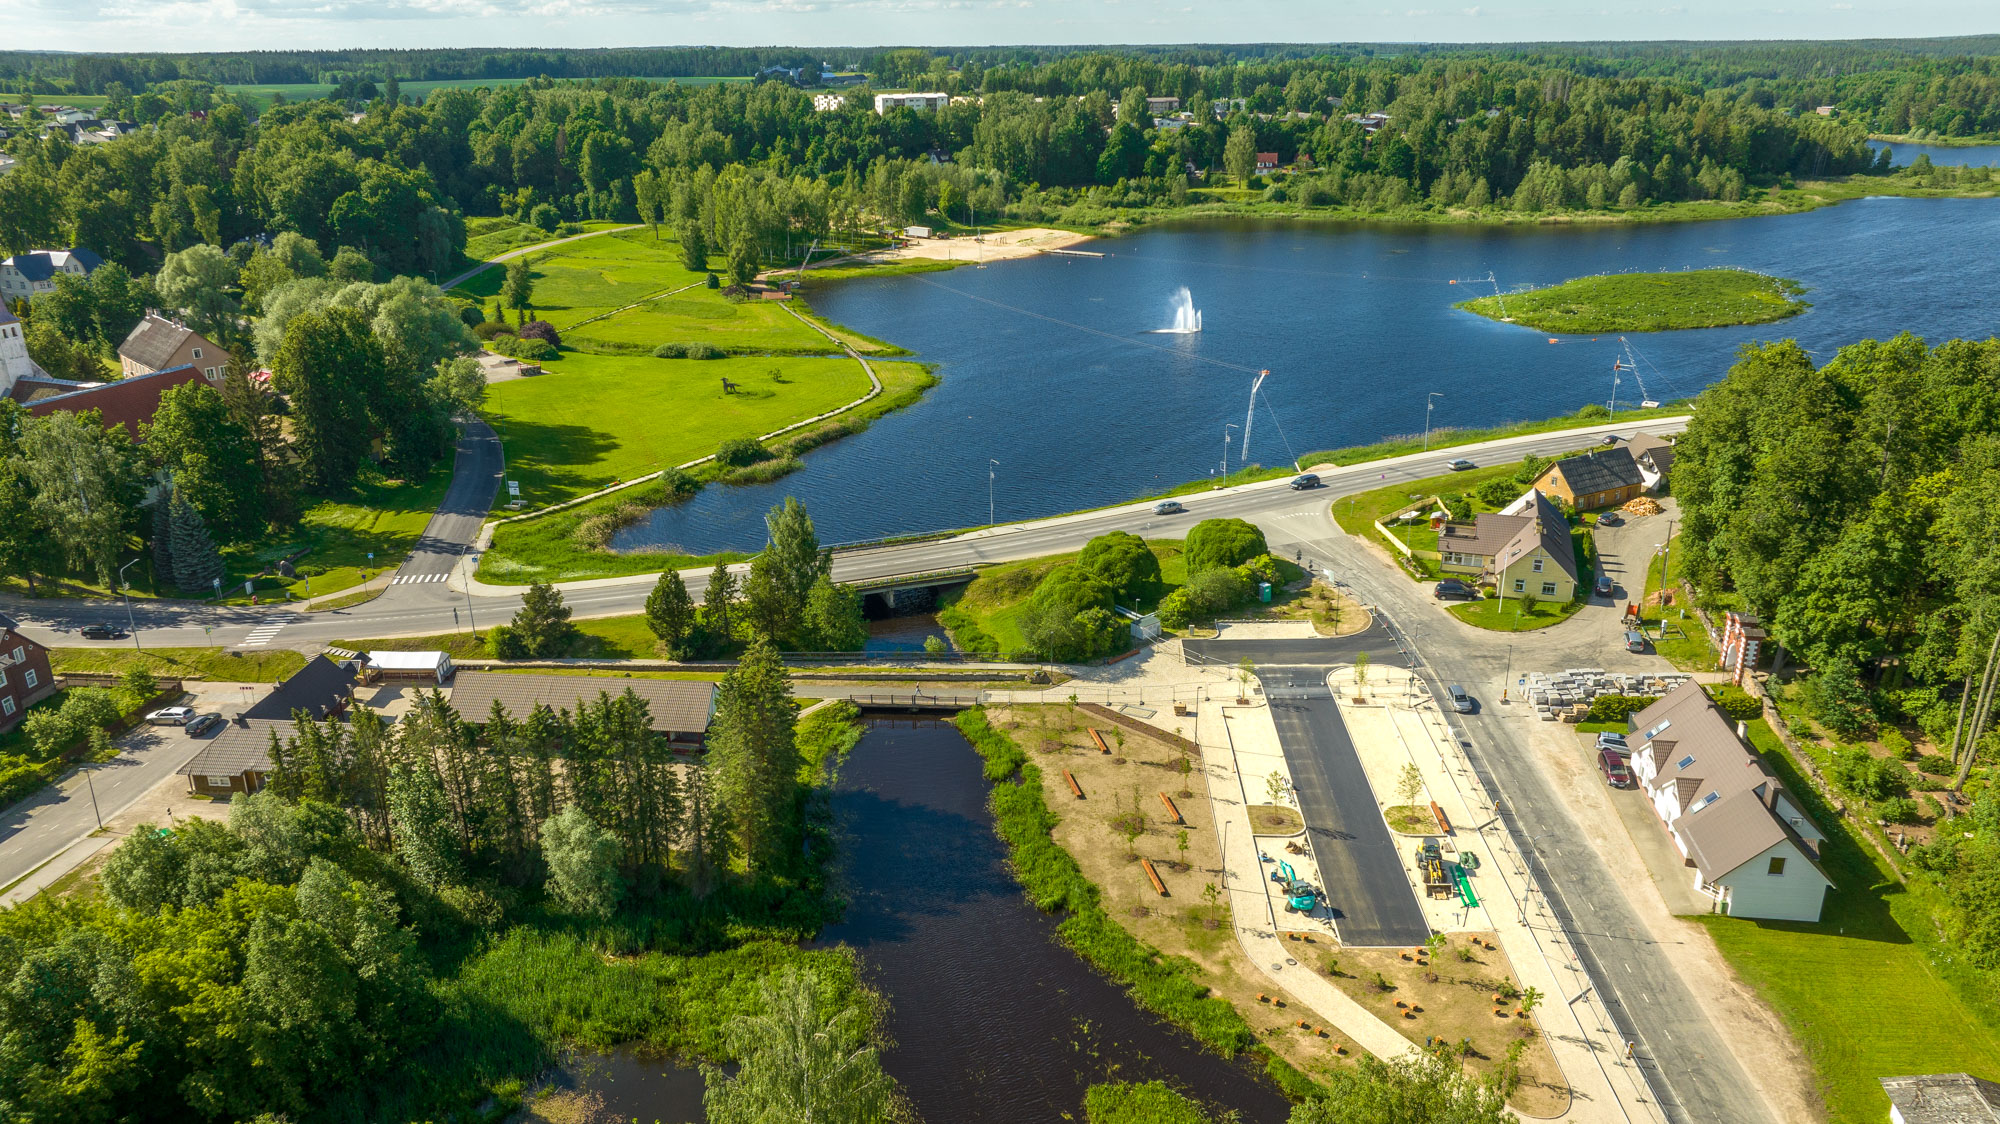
1304,481
1460,465
1635,641
1609,439
1604,586
1451,589
170,716
1609,740
1168,507
201,724
1613,764
101,632
1611,519
1460,701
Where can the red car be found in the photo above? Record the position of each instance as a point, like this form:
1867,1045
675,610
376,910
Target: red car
1613,764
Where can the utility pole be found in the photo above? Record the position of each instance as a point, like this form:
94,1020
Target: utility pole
1225,446
1430,400
991,465
125,591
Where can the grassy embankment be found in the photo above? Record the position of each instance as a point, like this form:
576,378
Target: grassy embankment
595,417
1358,513
1870,990
1685,642
213,664
1169,986
1647,302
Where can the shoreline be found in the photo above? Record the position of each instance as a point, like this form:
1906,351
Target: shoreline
1936,142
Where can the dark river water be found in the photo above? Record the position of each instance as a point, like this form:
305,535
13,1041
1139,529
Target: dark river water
993,1020
1050,367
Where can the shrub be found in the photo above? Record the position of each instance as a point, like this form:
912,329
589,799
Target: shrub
54,730
545,217
1836,699
1899,747
507,644
1936,764
1861,774
1497,493
1216,543
532,350
490,329
1123,561
471,315
1593,411
763,472
540,330
1739,704
688,351
740,451
1532,465
1456,505
1618,708
1898,809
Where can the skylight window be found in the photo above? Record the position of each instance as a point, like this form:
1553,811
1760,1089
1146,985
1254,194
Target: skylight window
1706,801
1684,762
1664,723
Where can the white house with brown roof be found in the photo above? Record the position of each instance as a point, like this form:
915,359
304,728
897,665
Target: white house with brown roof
1523,549
1754,851
159,343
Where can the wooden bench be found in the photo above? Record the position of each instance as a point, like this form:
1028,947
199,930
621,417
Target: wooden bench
1073,786
1444,825
1098,737
1154,875
1171,809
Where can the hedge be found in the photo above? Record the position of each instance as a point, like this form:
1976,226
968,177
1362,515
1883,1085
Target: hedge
1618,708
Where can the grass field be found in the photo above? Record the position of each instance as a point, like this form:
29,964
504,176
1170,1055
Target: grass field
1442,439
1648,302
595,419
215,664
1508,615
382,517
588,278
702,316
1868,992
1688,647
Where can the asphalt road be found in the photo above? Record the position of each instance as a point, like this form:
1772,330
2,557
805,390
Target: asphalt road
432,607
475,481
1650,1005
48,823
1366,887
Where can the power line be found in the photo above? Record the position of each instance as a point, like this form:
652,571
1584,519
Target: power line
1081,328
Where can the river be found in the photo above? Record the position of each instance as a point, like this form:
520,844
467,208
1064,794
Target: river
1977,155
1355,323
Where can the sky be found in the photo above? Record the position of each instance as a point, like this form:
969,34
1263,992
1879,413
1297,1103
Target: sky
235,25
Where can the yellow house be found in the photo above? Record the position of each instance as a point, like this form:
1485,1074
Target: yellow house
1598,478
1539,559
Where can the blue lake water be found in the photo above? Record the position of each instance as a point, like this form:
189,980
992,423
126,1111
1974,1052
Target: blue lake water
1982,155
1049,367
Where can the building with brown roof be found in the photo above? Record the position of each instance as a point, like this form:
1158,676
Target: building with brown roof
236,760
1598,478
1753,850
680,709
160,342
126,402
1524,549
25,678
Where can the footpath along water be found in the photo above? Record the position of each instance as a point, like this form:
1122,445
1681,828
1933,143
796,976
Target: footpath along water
994,1021
1355,324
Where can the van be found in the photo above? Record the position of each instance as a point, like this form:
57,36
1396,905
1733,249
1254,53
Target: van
1460,701
1304,481
1635,641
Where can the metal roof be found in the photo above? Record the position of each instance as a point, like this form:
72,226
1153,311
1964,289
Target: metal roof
320,688
237,748
155,340
1600,470
1546,529
407,661
675,705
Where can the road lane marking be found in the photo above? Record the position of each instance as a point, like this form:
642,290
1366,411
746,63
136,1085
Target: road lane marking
267,631
410,579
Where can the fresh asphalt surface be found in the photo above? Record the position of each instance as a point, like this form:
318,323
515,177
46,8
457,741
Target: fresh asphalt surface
475,481
1367,890
1649,1004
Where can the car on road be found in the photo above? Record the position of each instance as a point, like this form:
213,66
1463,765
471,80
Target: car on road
1305,480
1460,701
1611,519
1613,764
1451,589
1635,641
1608,740
1169,507
1604,585
201,724
170,716
1459,465
101,632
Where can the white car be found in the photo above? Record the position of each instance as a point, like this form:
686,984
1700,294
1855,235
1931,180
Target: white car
170,716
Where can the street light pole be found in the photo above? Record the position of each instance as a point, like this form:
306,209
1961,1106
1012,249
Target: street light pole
92,785
132,622
1430,400
1225,446
991,464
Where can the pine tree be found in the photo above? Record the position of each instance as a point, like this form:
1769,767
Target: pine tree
752,754
543,625
197,564
716,606
424,837
782,577
163,544
583,863
541,733
670,615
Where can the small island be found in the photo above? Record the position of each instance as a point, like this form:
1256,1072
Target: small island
1648,302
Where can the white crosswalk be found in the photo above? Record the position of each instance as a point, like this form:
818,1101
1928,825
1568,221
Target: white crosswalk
265,632
411,579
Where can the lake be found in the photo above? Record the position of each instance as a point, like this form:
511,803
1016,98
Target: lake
1974,155
1050,365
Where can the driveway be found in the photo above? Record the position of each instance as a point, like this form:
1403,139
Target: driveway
475,481
1367,890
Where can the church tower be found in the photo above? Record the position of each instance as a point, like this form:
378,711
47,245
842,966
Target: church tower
14,362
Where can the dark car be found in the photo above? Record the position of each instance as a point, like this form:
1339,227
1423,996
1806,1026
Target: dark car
201,724
1611,519
1452,589
1613,765
101,632
1168,507
1304,481
1460,465
1604,585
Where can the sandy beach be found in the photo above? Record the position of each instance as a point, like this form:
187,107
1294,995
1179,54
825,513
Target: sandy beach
998,245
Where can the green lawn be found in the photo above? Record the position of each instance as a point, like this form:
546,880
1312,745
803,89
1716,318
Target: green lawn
587,278
1508,616
1648,302
702,316
383,517
214,664
1868,992
1445,438
594,419
1686,646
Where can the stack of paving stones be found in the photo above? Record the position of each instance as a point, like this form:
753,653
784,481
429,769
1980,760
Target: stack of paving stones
1566,695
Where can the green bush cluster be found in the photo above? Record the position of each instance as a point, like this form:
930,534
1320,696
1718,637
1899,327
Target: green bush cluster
740,452
531,349
54,730
1211,593
688,351
1859,773
1213,544
1618,708
1457,505
1164,985
1068,618
1735,702
1126,1102
1498,493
